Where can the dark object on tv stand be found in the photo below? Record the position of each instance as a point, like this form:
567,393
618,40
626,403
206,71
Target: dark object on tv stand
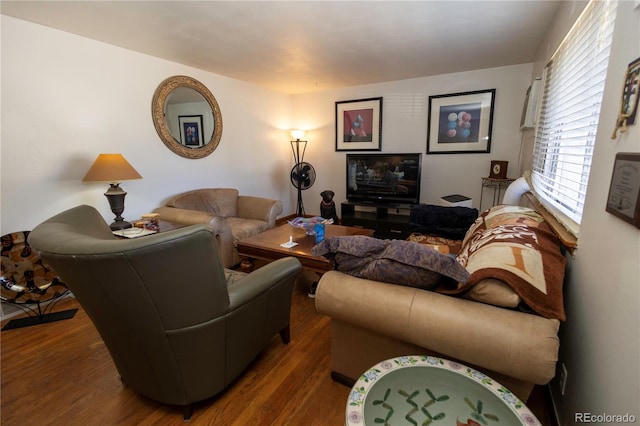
442,221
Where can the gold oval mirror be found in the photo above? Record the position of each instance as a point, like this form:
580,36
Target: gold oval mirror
187,117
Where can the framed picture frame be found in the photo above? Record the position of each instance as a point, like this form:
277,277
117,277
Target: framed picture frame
359,125
629,99
191,130
624,190
498,169
460,123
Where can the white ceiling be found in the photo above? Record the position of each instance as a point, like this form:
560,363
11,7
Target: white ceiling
305,46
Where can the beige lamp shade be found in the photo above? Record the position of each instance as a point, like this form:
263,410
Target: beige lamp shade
111,168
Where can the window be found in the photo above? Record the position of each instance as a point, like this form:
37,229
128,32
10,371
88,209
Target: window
569,111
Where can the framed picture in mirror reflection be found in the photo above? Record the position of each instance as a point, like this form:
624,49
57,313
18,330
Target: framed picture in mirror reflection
191,130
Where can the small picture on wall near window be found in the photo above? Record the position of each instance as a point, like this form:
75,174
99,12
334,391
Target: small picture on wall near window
460,122
630,98
190,130
624,191
359,125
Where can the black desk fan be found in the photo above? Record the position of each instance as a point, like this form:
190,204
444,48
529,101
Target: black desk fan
303,175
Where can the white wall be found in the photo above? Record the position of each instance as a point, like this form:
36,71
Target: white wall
65,99
404,129
600,341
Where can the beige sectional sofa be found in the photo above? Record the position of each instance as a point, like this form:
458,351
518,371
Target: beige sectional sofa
487,322
231,215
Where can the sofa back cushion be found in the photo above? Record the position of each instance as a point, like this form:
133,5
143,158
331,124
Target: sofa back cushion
219,201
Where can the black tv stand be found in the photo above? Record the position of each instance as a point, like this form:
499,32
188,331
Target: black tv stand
388,220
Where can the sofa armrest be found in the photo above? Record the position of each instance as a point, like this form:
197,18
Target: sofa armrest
250,207
220,227
516,344
193,217
184,216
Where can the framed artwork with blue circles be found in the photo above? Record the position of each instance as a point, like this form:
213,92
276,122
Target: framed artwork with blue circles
460,123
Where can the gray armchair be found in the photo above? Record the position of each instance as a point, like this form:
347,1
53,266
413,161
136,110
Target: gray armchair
178,326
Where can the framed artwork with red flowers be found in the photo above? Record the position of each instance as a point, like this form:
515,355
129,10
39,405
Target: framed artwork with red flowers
359,125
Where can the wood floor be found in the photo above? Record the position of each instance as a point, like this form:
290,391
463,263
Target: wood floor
61,374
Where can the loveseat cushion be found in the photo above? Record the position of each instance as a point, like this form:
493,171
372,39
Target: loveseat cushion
244,228
391,261
222,202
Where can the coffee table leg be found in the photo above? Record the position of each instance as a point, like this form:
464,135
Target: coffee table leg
247,264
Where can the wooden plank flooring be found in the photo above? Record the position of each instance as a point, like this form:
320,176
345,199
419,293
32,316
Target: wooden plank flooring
61,374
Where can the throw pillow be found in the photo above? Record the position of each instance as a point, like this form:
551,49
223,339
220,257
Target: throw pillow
391,261
527,258
494,292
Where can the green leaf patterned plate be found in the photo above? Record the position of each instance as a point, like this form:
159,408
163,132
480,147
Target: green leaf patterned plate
425,390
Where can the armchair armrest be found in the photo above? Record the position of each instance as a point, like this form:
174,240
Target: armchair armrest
263,279
250,207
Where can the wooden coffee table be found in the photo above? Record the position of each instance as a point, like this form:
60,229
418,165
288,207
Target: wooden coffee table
266,246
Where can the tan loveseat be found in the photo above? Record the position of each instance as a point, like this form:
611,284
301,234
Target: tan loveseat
231,215
373,321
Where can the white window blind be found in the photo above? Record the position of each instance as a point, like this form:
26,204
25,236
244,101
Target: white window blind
569,112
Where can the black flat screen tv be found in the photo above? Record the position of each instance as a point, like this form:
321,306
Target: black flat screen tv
384,178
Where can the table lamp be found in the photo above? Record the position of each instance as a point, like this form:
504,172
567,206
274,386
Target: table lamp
113,168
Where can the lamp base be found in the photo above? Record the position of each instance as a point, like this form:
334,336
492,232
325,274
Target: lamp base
116,195
118,225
